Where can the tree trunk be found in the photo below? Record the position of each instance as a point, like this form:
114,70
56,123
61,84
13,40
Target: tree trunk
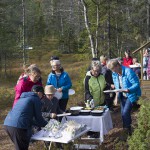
88,28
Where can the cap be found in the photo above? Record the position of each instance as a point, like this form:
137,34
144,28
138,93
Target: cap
50,89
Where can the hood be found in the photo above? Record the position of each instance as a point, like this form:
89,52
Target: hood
27,94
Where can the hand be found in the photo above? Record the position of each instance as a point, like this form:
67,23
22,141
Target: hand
112,86
52,115
59,90
116,99
126,91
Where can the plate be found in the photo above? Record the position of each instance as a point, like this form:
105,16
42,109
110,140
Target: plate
71,92
58,95
65,114
117,90
76,108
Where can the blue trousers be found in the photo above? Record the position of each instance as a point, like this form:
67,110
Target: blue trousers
126,107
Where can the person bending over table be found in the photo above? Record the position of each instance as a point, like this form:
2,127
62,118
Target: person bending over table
125,78
19,121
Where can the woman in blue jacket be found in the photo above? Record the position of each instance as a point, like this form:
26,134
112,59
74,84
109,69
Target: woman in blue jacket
61,81
125,78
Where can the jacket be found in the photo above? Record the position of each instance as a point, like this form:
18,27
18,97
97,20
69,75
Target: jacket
26,109
130,81
63,81
94,87
127,61
25,85
50,106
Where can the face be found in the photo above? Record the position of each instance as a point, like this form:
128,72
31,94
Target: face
56,67
117,69
40,94
49,96
35,77
95,71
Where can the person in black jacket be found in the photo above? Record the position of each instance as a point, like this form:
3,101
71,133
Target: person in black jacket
109,97
50,104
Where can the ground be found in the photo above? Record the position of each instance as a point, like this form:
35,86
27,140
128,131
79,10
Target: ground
114,140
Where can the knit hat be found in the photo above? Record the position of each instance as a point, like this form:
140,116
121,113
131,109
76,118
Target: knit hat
49,89
37,88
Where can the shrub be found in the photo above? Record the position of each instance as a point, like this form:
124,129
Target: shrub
140,140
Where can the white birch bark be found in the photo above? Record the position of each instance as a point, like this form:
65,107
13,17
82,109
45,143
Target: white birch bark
88,28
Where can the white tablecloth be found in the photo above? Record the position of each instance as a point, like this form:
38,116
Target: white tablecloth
101,124
39,136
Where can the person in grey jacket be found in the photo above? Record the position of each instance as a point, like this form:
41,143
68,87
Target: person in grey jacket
19,121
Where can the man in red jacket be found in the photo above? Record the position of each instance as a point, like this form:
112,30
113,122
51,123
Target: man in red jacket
127,60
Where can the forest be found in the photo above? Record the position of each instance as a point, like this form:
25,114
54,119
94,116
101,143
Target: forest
77,26
31,31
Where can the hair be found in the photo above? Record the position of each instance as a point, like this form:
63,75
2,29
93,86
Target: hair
33,69
112,63
96,64
103,58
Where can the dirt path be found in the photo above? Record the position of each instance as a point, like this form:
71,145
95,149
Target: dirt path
113,137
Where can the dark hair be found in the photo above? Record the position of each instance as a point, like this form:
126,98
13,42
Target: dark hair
37,88
54,58
127,51
94,59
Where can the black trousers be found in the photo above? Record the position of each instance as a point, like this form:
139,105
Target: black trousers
19,137
63,104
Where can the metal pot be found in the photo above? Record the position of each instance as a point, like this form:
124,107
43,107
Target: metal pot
75,110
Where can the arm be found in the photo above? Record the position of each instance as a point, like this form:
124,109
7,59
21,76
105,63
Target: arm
38,115
133,79
68,82
86,88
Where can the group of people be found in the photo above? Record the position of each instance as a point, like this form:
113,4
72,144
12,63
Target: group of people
106,74
34,105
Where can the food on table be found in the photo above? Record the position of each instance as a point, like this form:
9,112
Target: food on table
56,129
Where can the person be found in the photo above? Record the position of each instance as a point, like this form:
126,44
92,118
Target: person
137,69
127,60
61,81
19,121
125,78
94,84
145,64
50,104
26,83
109,97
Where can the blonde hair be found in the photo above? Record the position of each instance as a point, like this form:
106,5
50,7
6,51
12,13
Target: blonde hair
112,63
33,69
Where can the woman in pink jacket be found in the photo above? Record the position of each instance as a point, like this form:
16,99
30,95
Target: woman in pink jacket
26,83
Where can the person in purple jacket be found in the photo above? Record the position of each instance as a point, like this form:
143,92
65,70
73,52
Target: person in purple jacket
19,121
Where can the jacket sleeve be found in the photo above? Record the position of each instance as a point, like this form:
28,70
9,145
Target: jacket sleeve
68,82
133,79
19,89
38,114
88,95
49,80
